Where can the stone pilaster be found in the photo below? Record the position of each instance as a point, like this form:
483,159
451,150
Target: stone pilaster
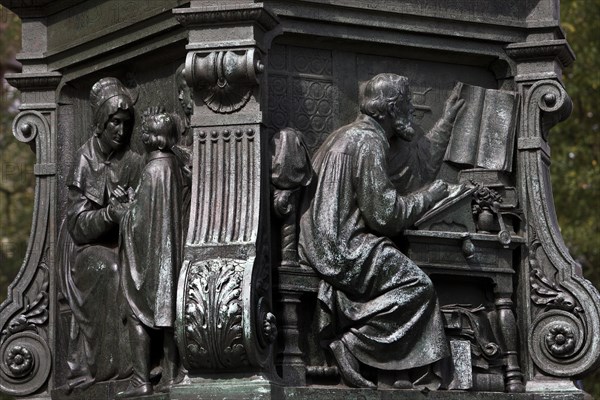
559,310
27,317
225,322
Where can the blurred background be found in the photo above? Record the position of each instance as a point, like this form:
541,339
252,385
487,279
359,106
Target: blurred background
575,154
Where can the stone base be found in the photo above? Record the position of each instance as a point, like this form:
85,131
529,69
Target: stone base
101,391
343,393
259,388
243,388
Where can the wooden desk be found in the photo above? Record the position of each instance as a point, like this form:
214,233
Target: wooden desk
439,254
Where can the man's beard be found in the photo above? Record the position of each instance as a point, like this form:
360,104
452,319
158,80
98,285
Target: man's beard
403,129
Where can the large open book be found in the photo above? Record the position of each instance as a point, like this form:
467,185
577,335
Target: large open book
484,130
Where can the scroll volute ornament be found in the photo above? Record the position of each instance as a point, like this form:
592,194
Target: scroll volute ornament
225,79
563,339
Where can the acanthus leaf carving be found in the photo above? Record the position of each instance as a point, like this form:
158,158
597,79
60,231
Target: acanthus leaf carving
546,293
213,315
33,314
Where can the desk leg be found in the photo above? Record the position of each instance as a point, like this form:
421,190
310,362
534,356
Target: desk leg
508,327
289,359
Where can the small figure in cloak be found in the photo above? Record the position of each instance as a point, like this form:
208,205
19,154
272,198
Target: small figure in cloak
150,251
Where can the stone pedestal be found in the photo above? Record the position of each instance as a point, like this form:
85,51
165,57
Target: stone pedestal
245,318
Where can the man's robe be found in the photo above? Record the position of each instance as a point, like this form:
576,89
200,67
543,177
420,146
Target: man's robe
372,297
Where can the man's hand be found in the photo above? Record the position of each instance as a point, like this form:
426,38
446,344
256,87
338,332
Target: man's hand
453,105
438,190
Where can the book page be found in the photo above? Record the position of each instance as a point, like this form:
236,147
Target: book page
462,148
497,130
456,193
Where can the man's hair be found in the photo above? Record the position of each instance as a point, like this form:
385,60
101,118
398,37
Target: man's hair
381,93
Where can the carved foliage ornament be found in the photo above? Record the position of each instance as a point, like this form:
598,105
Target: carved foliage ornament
223,323
25,358
558,335
212,315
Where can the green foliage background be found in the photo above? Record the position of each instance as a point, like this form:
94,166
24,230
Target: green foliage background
16,167
575,154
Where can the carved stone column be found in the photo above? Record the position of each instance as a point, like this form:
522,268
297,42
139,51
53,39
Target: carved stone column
559,312
225,324
27,317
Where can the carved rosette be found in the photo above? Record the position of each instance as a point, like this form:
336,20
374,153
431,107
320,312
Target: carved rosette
25,358
564,336
222,325
26,362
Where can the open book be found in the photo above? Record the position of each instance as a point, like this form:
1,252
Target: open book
484,130
455,195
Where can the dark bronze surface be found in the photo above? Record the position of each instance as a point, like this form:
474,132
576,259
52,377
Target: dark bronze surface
332,199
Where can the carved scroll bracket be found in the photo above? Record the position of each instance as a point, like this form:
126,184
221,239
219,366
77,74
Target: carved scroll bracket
564,335
225,79
26,317
224,64
24,352
224,318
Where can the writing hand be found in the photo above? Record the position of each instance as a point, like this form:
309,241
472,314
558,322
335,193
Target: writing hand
438,190
130,194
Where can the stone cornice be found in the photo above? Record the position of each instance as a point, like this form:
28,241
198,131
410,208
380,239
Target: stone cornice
35,81
542,50
195,16
38,8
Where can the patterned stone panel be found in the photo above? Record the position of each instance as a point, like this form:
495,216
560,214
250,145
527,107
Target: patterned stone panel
278,106
310,61
301,92
312,110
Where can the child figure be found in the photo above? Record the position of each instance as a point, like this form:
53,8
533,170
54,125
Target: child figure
150,250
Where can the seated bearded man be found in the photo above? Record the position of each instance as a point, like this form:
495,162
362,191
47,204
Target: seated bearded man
376,307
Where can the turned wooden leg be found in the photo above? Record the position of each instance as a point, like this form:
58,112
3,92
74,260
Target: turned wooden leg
289,359
508,326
